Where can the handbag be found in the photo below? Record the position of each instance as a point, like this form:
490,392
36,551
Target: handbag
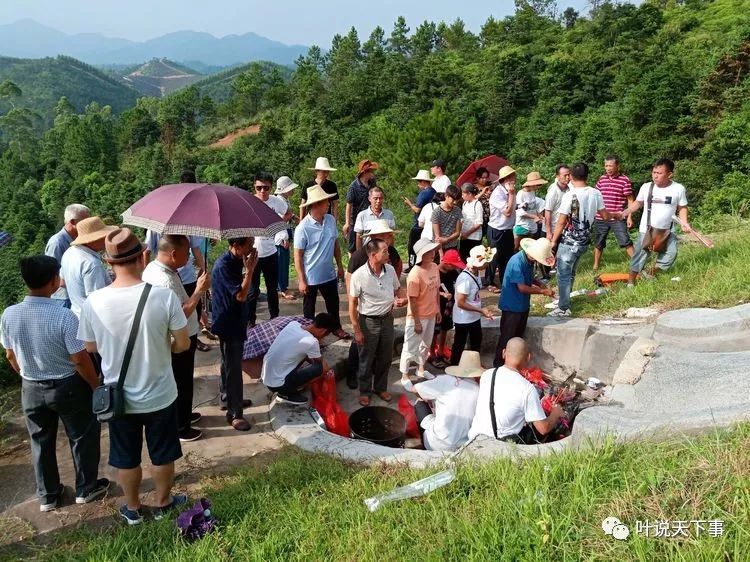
655,239
108,400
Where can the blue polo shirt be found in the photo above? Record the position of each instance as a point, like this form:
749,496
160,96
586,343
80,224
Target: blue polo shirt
423,197
518,270
318,241
229,316
56,247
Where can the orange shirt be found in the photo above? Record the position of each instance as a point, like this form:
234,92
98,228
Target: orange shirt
423,284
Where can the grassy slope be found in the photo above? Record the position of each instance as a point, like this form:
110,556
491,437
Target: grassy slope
304,507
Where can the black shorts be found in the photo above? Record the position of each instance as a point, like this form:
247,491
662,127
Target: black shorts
620,229
162,440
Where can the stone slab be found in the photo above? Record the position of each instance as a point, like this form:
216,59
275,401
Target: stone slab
703,322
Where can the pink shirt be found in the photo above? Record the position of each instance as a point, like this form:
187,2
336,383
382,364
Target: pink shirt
615,192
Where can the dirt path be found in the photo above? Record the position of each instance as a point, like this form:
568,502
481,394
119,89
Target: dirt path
234,135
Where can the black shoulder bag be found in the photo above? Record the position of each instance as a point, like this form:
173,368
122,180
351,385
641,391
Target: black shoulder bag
108,400
655,239
492,403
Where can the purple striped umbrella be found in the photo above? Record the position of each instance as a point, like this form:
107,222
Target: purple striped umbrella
210,210
5,238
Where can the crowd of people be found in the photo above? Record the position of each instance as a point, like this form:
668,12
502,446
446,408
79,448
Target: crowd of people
102,304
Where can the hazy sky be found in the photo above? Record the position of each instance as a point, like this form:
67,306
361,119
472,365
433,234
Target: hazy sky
289,21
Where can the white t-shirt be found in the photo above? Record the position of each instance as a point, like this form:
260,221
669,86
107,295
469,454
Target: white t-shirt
425,220
516,402
473,215
159,275
553,200
441,184
106,318
540,209
664,203
526,204
498,201
267,246
289,349
467,284
580,221
455,403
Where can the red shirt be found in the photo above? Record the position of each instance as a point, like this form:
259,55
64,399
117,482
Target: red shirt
615,192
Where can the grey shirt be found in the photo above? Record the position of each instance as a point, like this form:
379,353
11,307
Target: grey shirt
447,222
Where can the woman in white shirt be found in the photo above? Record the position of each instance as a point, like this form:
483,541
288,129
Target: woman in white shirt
473,218
425,216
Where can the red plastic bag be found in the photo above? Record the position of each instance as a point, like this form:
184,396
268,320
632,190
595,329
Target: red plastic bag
534,375
324,387
407,410
338,421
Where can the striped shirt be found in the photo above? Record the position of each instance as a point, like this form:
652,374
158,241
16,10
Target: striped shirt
615,192
260,337
43,336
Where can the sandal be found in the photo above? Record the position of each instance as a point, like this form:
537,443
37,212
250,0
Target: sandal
209,335
385,396
287,296
493,289
438,362
364,400
203,346
341,334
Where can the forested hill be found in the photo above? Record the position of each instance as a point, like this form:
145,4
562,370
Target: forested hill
220,86
661,79
44,81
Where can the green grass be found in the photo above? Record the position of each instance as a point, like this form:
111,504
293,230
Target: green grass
304,507
715,278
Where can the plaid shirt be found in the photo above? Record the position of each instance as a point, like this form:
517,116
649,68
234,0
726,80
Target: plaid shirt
260,338
43,335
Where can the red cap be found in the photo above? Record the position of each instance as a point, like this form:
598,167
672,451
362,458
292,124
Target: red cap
452,257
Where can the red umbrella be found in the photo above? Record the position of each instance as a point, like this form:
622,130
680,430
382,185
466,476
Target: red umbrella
210,210
493,163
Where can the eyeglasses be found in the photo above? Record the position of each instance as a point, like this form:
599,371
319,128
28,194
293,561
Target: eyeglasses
262,188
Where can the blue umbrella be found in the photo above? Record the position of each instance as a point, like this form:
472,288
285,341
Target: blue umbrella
5,238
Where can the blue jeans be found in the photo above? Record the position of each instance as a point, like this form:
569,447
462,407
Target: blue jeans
664,259
567,262
283,257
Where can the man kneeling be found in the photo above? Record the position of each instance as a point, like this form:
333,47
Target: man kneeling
508,407
283,371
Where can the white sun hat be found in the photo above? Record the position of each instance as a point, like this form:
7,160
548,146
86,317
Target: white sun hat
423,175
316,194
322,163
284,185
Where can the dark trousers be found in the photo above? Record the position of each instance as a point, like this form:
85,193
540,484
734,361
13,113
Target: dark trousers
269,267
471,332
330,292
421,410
190,289
230,386
69,400
512,325
282,259
503,241
298,378
183,365
414,234
376,353
465,247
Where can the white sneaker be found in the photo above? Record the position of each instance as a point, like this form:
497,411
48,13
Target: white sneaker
559,313
552,305
631,285
428,376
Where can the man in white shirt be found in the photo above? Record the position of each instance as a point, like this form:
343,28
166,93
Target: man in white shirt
149,388
374,290
668,198
283,371
173,253
516,401
553,199
445,425
578,209
441,181
268,262
501,222
365,219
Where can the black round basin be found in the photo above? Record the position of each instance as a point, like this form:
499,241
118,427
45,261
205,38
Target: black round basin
379,425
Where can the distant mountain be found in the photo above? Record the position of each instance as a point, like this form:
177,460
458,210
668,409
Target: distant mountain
219,86
44,81
160,77
29,39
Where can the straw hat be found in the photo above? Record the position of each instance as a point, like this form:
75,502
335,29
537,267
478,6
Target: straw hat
423,175
469,366
380,226
122,245
284,185
479,256
366,166
315,194
534,178
91,230
504,172
321,163
422,246
540,250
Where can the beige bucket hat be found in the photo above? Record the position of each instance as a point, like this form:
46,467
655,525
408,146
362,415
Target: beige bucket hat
469,366
423,175
315,194
479,256
504,172
322,163
380,226
284,185
91,230
533,179
540,250
422,246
